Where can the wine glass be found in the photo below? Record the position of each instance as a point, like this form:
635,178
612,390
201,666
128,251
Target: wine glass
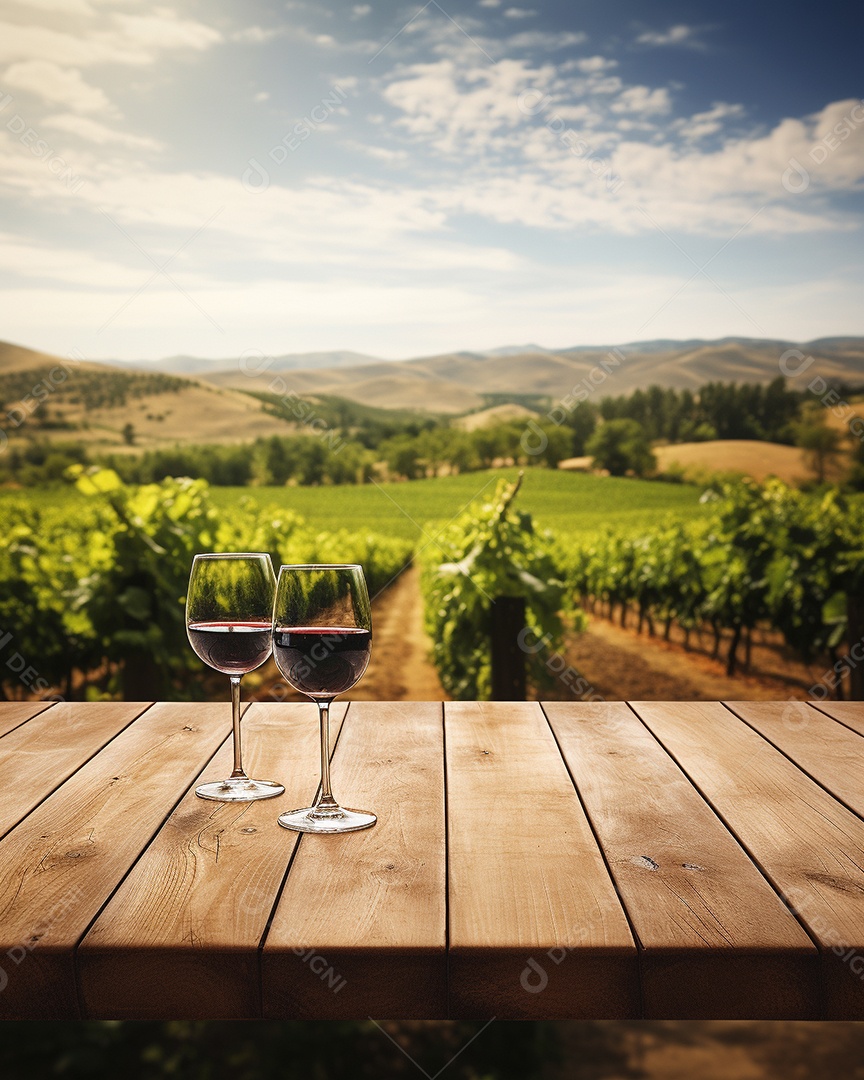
229,609
322,637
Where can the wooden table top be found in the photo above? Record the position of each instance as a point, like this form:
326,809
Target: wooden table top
564,860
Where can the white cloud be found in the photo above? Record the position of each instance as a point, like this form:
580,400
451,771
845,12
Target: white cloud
642,101
361,10
164,30
64,265
129,39
675,35
55,84
490,3
100,134
457,149
702,124
538,39
257,35
593,64
63,7
449,105
519,13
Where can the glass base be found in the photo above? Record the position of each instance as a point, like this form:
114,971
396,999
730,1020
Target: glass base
343,820
239,789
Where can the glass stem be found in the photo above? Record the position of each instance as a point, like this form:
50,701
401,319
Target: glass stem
326,804
239,771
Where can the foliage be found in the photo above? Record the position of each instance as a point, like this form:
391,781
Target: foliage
93,389
766,555
822,444
292,1050
571,503
621,447
716,411
103,589
490,551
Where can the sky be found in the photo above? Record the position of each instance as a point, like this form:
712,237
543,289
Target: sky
401,179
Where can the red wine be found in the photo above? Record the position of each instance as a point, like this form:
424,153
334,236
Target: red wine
231,647
322,661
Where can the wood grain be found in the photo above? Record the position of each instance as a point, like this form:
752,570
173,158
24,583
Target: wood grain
828,751
360,929
60,865
809,846
715,940
15,713
48,749
179,939
850,713
536,928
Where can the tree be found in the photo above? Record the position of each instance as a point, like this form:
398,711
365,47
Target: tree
621,446
583,422
402,456
820,443
129,434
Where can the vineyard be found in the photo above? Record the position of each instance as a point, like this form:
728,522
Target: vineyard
766,556
492,551
92,601
92,584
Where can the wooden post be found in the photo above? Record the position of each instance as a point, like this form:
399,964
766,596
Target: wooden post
507,622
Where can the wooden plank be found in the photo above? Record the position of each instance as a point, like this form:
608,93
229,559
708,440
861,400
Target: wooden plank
360,929
850,713
716,942
60,865
179,939
807,843
829,752
15,713
536,928
47,750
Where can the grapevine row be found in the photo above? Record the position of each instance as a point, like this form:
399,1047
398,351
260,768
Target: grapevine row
765,555
104,591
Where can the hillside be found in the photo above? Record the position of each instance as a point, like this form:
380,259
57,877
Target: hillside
496,414
756,459
61,399
196,365
182,400
456,382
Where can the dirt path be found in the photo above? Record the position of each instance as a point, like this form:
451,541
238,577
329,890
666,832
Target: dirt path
716,1050
399,669
623,665
618,663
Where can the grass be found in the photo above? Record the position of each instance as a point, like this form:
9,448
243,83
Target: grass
568,503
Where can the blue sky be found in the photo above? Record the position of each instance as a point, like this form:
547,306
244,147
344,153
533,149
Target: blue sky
399,179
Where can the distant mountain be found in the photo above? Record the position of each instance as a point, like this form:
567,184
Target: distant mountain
196,365
457,382
61,398
187,399
516,350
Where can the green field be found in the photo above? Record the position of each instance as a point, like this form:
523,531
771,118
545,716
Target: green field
568,503
565,502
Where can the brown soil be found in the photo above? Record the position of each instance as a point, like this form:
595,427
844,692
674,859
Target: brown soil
621,664
720,1050
399,669
617,663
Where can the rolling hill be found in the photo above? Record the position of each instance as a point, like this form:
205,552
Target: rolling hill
457,382
196,365
59,399
182,399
